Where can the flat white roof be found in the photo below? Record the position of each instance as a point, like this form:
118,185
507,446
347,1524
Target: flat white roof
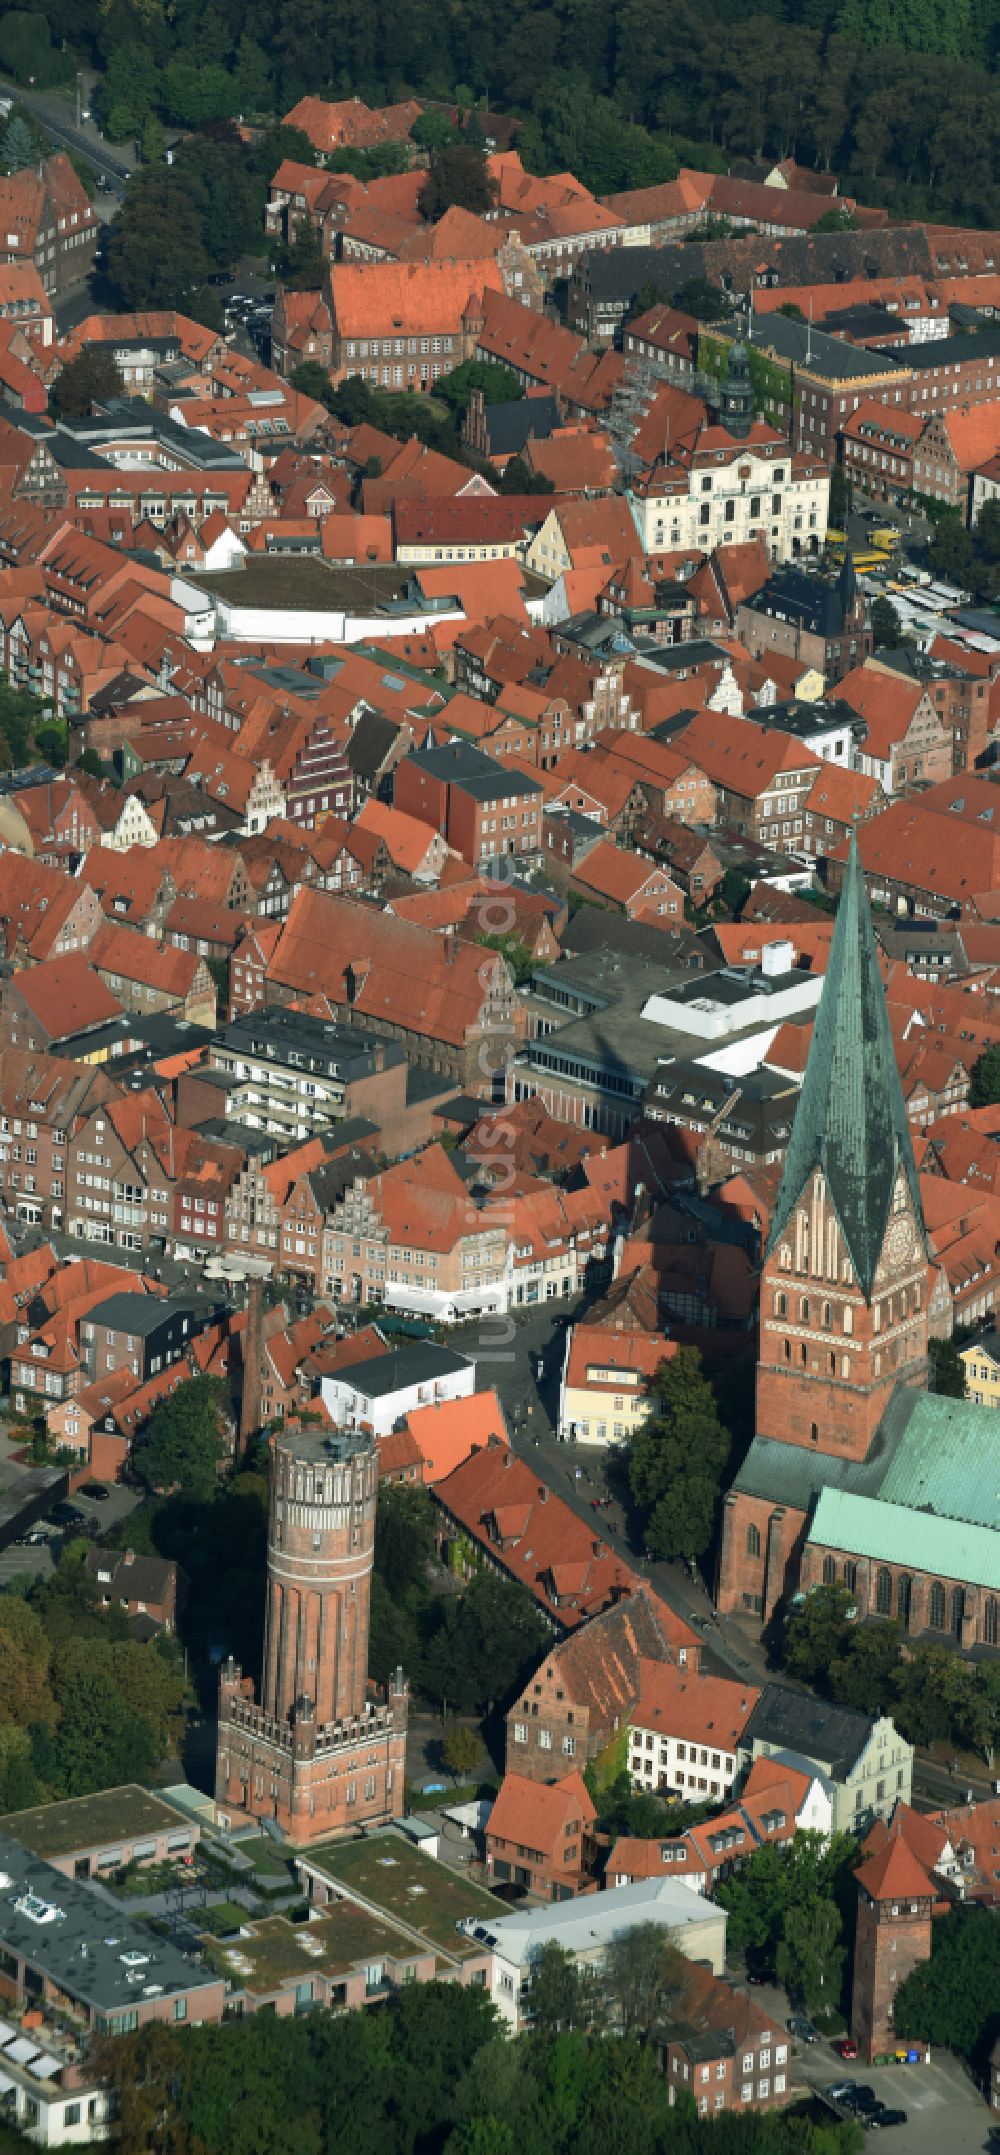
583,1925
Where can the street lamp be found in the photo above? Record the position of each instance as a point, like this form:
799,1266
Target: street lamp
79,99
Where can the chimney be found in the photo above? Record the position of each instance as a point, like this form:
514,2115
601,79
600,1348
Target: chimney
506,1460
543,1494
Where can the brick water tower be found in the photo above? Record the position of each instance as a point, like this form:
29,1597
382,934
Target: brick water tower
320,1552
318,1755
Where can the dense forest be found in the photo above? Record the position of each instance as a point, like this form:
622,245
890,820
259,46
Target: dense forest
899,96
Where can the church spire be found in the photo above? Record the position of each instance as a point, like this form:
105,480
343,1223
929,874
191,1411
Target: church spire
851,1120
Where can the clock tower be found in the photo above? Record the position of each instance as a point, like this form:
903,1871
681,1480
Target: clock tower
843,1302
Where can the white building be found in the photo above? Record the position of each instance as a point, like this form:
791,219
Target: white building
684,1732
728,492
379,1393
585,1928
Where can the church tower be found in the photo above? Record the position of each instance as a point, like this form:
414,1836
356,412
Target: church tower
736,395
843,1300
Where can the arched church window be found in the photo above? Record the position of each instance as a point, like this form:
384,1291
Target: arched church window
904,1591
957,1610
753,1541
990,1621
804,1310
848,1318
937,1606
829,1571
883,1591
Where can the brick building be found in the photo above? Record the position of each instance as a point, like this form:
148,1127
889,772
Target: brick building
877,445
47,217
482,807
537,1836
317,1756
580,1697
43,1101
895,1908
819,624
902,740
435,994
722,2049
400,325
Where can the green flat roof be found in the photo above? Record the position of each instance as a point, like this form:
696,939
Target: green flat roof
408,1885
922,1541
336,1943
114,1814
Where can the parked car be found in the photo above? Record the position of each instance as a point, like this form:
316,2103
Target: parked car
803,2028
98,1494
65,1515
886,2117
846,2048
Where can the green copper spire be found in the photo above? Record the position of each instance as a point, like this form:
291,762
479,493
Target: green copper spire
851,1119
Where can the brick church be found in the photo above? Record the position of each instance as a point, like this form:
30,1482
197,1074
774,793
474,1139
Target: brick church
858,1475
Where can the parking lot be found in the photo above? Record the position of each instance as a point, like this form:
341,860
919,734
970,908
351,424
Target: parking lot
943,2109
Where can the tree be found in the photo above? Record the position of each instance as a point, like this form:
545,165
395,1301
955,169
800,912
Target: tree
706,301
312,380
810,1956
253,84
462,1750
951,551
951,2000
558,1992
643,1973
154,141
182,1447
156,252
483,1644
734,891
25,1657
887,629
101,1742
404,1536
26,50
433,131
518,478
300,262
90,762
836,221
498,385
515,950
984,1078
947,1369
678,1458
816,1631
459,177
18,146
91,378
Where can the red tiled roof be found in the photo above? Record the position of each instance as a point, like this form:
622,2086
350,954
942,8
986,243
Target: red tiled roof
535,1814
66,995
700,1709
895,1873
408,298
